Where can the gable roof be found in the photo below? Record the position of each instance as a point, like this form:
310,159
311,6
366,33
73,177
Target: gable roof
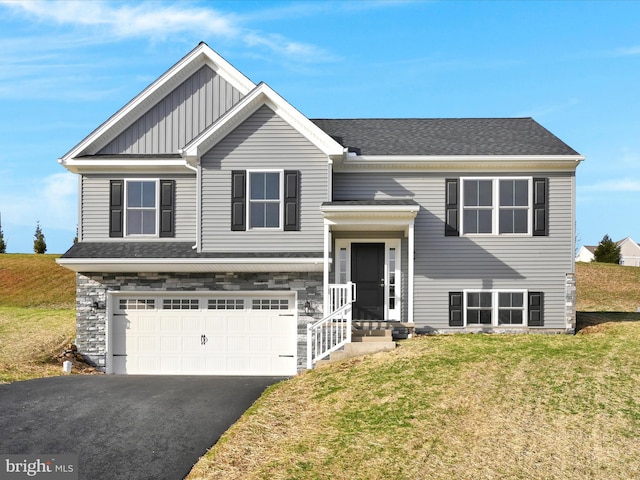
201,55
445,136
261,95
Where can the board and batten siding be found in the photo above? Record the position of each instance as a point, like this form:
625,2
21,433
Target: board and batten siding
263,141
444,264
179,117
94,214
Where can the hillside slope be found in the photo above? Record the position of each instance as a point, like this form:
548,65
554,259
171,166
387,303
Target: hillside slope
605,287
35,281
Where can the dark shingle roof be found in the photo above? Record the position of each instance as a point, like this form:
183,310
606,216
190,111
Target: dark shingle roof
147,250
445,136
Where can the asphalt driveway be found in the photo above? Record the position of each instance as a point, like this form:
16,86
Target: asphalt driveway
124,427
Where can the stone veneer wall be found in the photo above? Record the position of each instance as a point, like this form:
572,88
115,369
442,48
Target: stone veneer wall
91,299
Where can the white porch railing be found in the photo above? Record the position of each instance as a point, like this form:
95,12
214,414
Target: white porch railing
334,330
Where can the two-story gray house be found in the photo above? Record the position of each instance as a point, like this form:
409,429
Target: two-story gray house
223,232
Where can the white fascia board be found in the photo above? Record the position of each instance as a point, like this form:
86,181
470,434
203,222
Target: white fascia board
189,64
261,95
327,209
447,163
111,165
134,265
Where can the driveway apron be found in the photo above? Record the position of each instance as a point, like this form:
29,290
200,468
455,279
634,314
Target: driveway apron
124,427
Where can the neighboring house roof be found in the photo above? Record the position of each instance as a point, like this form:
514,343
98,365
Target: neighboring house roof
445,136
591,248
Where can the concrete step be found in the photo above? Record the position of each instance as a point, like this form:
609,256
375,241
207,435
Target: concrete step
356,350
371,333
371,338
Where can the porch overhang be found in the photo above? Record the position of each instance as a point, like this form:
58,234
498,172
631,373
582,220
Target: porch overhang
371,215
379,215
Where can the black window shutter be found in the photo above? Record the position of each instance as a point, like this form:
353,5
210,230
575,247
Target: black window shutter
167,208
455,309
540,207
238,200
291,200
452,207
536,304
116,208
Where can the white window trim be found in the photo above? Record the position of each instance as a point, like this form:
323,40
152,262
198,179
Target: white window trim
495,307
390,314
156,234
495,207
280,227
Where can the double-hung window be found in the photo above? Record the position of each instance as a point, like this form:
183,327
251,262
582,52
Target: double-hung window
265,199
141,207
496,206
497,308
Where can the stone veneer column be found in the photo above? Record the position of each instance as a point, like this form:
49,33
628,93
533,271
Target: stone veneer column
91,319
570,305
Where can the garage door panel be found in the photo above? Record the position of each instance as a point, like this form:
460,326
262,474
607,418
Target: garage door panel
202,341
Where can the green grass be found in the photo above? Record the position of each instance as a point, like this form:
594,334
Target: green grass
454,407
37,316
460,406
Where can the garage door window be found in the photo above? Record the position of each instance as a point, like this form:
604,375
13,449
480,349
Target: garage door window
137,304
180,304
270,304
226,304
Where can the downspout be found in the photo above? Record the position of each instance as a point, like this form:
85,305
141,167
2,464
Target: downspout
198,171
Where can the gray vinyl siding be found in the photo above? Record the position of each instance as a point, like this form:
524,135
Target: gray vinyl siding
94,213
444,264
263,141
179,117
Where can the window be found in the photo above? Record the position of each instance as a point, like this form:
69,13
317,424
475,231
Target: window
514,206
495,308
392,278
141,207
496,206
479,308
510,308
265,199
270,304
180,304
226,304
137,304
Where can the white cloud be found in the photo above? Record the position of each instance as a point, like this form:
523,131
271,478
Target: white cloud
548,109
628,51
621,185
52,200
159,21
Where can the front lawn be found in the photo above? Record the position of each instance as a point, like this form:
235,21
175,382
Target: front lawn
452,407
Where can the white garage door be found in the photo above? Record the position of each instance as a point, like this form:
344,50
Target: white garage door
231,335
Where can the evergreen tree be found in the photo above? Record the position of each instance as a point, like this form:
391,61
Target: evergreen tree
3,244
39,243
607,251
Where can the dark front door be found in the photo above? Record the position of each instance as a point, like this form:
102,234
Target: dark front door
367,272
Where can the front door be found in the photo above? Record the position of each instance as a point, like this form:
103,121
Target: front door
367,272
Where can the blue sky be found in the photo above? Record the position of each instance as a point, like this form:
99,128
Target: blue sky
574,66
